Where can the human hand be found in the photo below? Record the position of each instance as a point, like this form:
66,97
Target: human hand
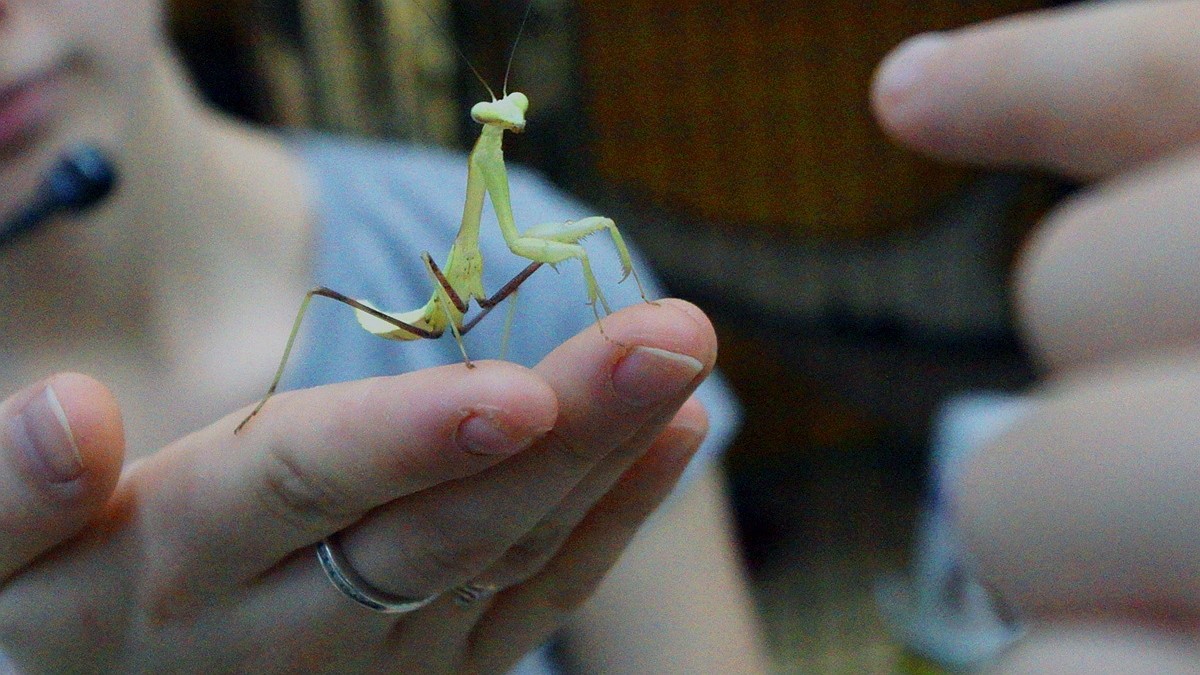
201,558
1085,515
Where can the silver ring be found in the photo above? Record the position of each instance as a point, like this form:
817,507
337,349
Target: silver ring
345,579
472,592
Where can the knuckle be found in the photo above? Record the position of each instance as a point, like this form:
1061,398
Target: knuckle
439,556
528,556
574,455
300,495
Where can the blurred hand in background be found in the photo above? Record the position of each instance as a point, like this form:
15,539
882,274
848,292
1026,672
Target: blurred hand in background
1084,516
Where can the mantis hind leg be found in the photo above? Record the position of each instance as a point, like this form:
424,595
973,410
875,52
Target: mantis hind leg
445,290
291,341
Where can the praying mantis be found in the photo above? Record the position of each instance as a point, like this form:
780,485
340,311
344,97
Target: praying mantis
461,279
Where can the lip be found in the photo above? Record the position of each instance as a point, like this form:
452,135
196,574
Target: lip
26,104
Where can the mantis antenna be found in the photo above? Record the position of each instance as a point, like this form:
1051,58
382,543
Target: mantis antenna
512,52
516,41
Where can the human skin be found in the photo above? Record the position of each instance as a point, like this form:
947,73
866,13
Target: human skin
1083,517
157,540
202,554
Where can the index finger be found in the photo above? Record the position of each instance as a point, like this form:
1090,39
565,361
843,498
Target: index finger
1085,90
318,460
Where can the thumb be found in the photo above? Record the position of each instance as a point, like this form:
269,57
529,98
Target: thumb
61,448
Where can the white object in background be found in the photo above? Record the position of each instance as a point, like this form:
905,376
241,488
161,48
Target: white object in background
938,611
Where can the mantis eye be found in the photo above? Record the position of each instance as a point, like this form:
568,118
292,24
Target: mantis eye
508,112
482,112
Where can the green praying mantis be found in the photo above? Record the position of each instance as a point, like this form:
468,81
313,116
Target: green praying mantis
460,280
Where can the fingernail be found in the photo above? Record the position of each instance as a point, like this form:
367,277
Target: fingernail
479,434
648,375
41,431
899,77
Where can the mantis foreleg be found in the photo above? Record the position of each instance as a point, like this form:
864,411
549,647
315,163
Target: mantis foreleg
549,243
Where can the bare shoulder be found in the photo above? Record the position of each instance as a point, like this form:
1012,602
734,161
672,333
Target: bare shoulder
268,178
249,249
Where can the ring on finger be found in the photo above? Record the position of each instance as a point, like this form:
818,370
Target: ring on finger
352,585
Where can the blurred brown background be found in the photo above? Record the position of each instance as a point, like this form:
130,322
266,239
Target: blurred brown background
855,285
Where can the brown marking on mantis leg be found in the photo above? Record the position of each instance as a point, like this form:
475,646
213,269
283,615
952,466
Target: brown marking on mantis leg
444,283
506,290
334,295
512,285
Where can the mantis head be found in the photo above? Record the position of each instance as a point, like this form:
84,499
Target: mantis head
507,113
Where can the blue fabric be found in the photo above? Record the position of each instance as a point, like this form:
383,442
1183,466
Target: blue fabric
380,206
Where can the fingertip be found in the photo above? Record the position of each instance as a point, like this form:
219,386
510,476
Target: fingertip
900,87
526,408
68,432
670,324
697,316
63,445
692,311
94,419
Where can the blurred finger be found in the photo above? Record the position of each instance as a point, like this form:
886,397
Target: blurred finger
531,553
1085,90
61,447
525,616
1113,273
1089,505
